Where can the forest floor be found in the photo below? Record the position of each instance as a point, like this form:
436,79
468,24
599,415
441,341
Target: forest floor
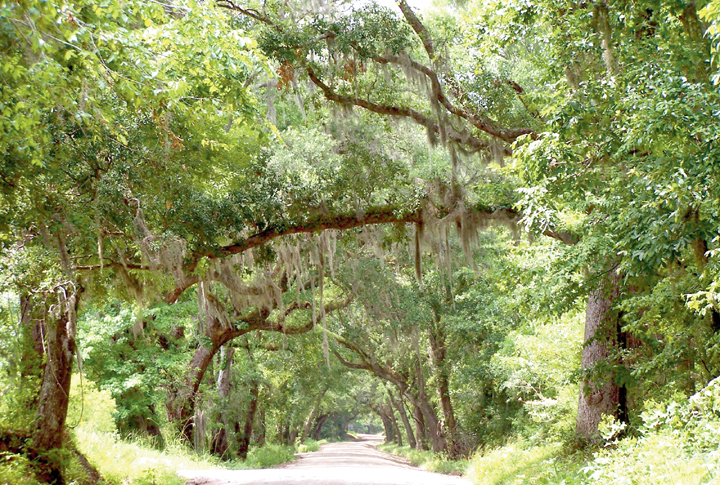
347,463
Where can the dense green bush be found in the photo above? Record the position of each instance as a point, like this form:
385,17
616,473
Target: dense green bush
676,443
269,456
15,469
309,445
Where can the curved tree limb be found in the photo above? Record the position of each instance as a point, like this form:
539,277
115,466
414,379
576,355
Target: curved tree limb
480,122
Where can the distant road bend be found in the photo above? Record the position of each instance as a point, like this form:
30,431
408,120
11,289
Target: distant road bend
348,463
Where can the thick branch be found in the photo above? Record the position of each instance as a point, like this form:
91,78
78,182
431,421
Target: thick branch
370,365
389,110
380,215
351,365
565,237
258,320
419,28
479,122
249,12
111,264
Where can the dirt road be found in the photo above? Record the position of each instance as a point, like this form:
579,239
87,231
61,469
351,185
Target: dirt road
348,463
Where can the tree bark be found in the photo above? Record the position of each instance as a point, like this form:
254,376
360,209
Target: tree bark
429,417
393,420
598,398
259,432
403,416
432,426
311,417
244,440
423,437
319,423
387,424
219,445
180,403
442,380
49,429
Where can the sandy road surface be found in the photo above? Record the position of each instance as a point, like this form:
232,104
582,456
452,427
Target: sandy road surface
348,463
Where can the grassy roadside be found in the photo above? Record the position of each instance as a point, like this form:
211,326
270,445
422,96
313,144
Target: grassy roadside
672,443
427,460
132,462
520,462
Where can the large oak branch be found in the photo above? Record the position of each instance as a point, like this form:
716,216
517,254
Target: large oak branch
399,111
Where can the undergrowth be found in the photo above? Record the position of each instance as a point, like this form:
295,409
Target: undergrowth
266,456
135,460
15,469
310,445
677,443
427,460
90,420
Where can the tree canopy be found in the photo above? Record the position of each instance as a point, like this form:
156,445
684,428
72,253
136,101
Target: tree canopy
254,221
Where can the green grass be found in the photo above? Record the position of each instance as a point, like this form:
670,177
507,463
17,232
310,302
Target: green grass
125,463
520,463
309,445
15,469
427,460
677,443
120,461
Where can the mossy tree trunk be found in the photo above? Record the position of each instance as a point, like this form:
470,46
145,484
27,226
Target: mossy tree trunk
599,396
49,429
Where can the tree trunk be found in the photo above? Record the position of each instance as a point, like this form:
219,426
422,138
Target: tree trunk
219,443
598,398
244,440
403,416
311,417
387,424
448,427
285,434
429,416
433,426
259,432
423,437
393,421
180,403
199,430
49,430
319,423
31,363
